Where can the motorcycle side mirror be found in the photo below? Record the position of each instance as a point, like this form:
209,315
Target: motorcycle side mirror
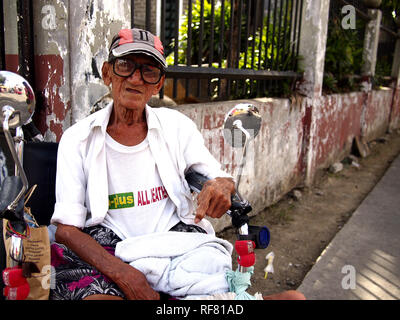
17,100
242,123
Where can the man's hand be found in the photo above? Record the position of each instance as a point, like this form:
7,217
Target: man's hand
215,198
134,284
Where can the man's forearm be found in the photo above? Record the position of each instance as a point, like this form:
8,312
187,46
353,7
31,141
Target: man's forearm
89,250
131,281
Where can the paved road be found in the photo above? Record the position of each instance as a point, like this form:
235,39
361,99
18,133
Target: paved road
362,262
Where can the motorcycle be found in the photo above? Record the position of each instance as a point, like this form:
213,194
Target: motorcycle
17,110
241,125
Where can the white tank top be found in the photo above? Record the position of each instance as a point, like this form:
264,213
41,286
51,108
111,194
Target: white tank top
138,201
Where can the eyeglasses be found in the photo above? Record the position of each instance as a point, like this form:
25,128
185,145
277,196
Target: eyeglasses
149,73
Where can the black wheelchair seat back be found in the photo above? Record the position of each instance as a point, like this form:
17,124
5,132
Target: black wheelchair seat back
40,164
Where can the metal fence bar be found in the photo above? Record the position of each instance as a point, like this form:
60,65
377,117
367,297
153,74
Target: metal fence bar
290,26
148,15
266,42
162,35
271,63
295,31
260,44
229,57
189,46
200,57
254,43
229,73
176,52
298,33
211,53
247,32
278,45
285,33
239,28
132,13
221,44
391,32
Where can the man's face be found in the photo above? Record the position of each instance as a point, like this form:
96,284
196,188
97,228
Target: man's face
131,92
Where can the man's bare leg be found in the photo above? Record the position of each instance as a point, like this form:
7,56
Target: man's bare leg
286,295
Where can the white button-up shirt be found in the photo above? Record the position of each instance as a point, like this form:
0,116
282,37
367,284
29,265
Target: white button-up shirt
81,181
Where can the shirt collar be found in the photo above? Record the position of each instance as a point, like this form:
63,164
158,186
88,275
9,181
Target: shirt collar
152,119
104,117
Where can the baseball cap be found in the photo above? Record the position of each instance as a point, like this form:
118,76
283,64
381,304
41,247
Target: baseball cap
135,40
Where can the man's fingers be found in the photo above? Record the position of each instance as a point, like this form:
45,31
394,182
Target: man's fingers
200,213
203,201
212,201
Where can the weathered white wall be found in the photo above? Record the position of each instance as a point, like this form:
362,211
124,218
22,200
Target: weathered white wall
273,165
91,32
314,30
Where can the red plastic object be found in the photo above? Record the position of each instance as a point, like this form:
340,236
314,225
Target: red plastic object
244,247
17,293
247,260
13,277
245,250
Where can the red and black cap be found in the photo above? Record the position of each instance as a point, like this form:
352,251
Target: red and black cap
128,41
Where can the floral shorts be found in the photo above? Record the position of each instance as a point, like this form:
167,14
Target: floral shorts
75,279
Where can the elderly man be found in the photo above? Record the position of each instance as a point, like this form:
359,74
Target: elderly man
120,175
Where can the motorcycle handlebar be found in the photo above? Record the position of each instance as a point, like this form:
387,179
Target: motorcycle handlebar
239,207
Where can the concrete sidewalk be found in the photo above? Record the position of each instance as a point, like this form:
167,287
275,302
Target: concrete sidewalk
362,262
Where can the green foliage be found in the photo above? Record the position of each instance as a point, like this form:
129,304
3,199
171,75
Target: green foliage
195,29
343,56
271,56
276,49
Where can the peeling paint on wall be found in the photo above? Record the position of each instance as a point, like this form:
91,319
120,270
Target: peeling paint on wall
338,124
377,114
94,24
273,166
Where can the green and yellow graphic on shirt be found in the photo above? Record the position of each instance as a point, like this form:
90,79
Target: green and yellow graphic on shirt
144,198
121,200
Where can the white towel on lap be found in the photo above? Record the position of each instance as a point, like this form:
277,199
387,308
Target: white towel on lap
180,263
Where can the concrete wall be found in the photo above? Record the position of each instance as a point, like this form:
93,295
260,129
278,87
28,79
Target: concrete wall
273,165
377,113
280,150
71,42
338,123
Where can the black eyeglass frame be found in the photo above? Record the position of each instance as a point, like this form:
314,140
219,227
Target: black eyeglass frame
140,67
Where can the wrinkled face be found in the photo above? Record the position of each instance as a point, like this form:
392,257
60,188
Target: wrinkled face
131,92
